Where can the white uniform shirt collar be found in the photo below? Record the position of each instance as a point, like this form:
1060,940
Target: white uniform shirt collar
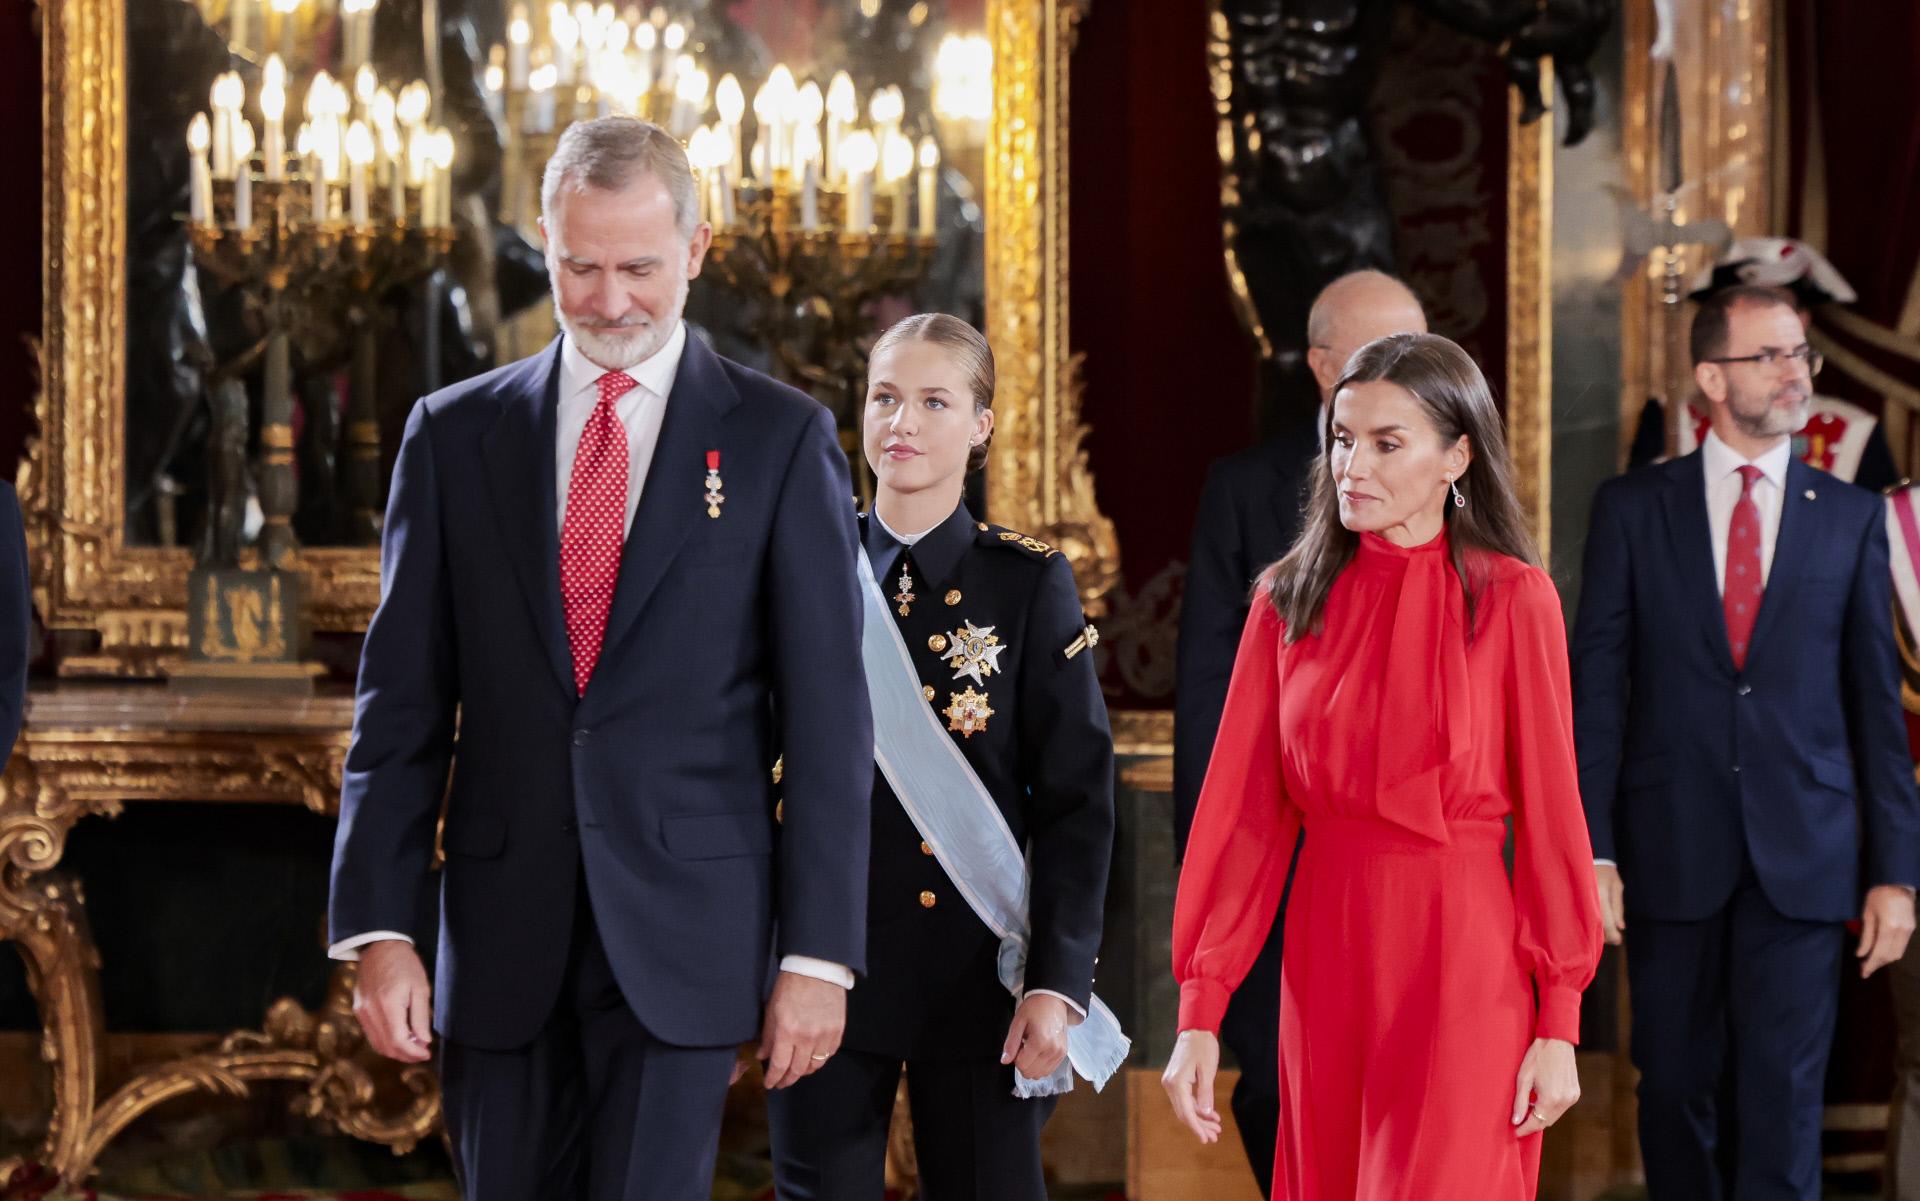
905,539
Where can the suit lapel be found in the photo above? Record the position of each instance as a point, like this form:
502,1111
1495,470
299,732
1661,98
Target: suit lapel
1687,525
519,453
672,500
1790,547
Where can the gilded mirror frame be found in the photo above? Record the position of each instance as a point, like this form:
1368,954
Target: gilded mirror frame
86,576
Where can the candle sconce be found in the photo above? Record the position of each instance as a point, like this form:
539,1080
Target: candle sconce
817,283
316,282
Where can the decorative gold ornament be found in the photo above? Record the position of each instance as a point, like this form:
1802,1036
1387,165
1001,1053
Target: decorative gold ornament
967,712
974,652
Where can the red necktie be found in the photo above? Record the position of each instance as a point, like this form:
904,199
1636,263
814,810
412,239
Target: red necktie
595,527
1740,597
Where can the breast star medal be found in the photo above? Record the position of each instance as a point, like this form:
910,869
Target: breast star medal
905,596
714,499
967,712
974,652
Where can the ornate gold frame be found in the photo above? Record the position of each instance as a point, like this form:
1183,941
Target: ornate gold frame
85,575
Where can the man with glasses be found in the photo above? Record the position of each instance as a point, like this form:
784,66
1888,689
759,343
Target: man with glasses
1743,763
1840,437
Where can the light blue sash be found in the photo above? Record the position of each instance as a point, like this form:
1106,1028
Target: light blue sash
969,836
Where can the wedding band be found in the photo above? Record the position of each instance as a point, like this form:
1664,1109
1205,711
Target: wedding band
818,1058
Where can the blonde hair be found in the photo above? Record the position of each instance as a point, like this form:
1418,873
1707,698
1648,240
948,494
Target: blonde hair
975,356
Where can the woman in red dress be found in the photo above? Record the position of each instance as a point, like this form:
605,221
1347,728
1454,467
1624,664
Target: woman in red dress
1400,690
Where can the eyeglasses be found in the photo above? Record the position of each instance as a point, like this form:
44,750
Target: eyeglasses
1806,357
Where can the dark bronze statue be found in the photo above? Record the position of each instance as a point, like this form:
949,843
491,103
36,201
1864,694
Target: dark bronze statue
1304,197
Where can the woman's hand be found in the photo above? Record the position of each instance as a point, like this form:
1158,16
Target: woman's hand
1548,1085
1037,1038
1189,1082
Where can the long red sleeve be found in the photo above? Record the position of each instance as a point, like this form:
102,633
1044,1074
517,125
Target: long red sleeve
1556,904
1243,836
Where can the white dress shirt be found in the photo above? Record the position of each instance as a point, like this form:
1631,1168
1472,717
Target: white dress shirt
641,410
908,540
1721,466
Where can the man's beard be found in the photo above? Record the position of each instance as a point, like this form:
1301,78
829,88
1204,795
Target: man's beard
1765,418
619,345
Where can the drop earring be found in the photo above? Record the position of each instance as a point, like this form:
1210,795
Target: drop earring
1459,501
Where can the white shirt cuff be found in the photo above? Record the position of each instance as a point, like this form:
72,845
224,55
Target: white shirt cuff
1048,992
819,969
1605,863
348,949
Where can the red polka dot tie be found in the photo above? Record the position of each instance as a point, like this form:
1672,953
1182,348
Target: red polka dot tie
595,527
1740,596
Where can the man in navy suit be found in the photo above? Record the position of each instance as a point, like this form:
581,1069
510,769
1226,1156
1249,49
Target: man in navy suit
1248,516
1743,763
617,582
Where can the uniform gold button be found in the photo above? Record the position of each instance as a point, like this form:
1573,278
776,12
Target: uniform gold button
983,527
927,691
926,849
926,900
780,811
937,643
953,597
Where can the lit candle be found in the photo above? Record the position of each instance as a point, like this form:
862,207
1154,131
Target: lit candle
243,177
200,187
316,178
809,179
519,33
732,103
443,159
929,184
783,101
860,155
806,109
672,39
886,108
365,86
540,112
690,99
700,157
565,34
896,166
645,38
842,110
359,154
396,179
273,108
766,110
226,99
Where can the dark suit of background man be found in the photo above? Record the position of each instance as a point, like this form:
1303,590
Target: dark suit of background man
16,620
1743,762
1249,514
635,588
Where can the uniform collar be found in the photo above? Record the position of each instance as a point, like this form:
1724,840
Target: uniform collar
936,554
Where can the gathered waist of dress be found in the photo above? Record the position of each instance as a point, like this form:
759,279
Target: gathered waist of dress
1377,836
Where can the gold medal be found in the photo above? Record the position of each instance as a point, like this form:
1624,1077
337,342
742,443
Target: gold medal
967,712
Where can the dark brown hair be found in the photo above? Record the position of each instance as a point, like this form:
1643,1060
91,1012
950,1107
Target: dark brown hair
1712,324
1457,401
974,354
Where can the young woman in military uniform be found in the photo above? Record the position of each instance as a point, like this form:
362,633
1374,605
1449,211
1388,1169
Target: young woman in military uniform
989,865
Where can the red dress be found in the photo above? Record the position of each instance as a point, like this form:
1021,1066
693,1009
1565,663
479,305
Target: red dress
1411,963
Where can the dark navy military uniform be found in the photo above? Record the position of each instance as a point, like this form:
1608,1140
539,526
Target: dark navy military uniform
1034,728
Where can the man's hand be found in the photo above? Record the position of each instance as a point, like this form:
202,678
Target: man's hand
393,1001
805,1020
1886,923
1037,1036
1613,902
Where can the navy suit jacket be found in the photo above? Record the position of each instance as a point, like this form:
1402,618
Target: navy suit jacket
729,642
1249,515
1801,756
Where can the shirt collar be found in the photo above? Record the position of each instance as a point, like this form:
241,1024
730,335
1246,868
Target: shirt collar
1720,460
578,373
936,553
